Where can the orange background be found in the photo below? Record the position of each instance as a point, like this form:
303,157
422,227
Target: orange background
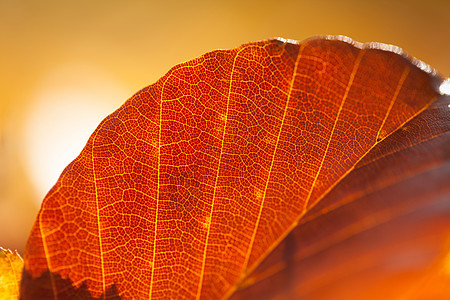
55,55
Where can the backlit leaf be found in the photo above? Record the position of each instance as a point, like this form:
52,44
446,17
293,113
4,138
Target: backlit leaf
11,265
187,188
382,233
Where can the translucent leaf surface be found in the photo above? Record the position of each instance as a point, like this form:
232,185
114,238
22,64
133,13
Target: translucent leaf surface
188,187
11,265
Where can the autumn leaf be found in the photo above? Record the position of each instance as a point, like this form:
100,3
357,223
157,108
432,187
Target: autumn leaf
382,233
245,166
11,265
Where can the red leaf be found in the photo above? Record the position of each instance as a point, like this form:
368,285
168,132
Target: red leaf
382,233
195,180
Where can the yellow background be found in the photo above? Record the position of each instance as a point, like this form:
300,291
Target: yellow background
111,49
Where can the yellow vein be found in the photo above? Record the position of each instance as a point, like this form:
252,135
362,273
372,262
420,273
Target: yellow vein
387,154
13,270
282,236
158,187
394,98
294,224
247,257
341,235
202,273
350,82
98,215
357,196
371,222
47,257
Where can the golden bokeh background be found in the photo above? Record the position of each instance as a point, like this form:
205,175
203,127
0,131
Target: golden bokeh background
65,65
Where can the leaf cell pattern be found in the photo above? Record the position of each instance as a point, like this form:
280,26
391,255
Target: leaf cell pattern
186,188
